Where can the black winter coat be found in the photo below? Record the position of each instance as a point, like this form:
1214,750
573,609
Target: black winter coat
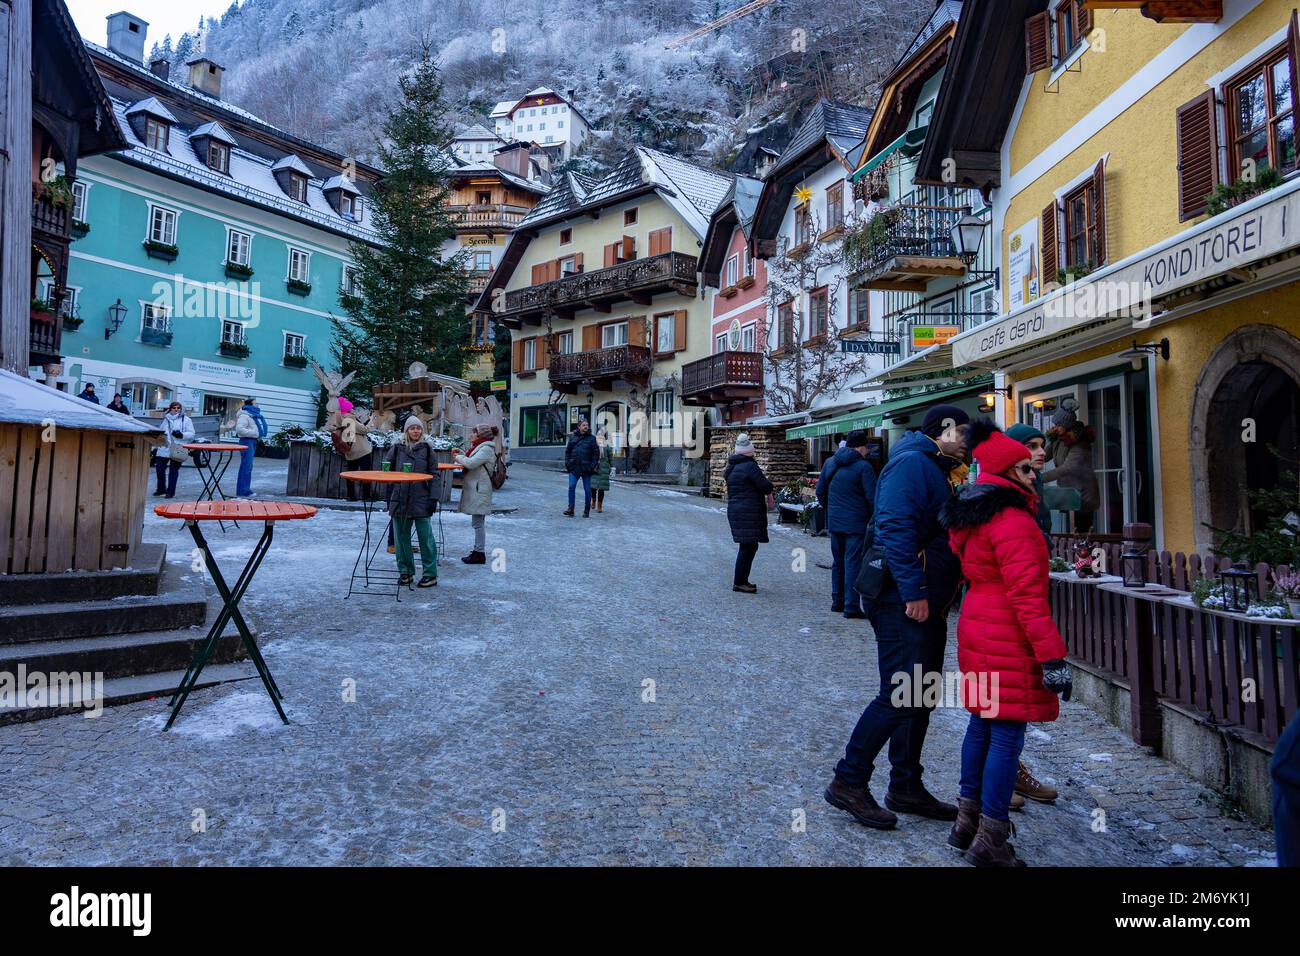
411,499
747,491
581,454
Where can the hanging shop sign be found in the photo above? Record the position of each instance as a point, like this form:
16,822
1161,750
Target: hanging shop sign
923,336
872,346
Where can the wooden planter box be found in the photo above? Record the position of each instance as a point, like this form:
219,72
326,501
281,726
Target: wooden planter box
314,473
74,503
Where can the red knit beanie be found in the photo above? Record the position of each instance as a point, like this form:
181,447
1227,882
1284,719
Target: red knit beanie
993,449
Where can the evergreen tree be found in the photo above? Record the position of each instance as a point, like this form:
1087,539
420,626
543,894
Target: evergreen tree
410,304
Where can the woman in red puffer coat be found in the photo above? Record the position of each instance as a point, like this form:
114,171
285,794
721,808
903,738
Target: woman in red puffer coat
1008,648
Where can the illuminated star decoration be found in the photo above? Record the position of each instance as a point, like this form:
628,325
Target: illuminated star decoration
803,194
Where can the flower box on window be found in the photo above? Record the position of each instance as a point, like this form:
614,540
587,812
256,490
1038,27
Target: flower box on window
236,271
161,250
42,311
156,337
298,287
79,228
744,282
295,361
71,323
235,349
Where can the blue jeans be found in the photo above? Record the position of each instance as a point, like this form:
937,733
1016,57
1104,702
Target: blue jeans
586,490
244,486
901,645
846,560
990,756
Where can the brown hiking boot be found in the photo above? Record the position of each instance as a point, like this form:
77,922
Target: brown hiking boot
600,507
921,802
860,804
1017,801
968,821
568,513
1032,787
992,846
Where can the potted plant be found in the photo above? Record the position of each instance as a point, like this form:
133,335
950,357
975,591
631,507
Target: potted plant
57,192
162,337
234,349
1073,273
1288,589
236,270
71,323
295,361
298,287
79,228
1227,195
161,250
42,311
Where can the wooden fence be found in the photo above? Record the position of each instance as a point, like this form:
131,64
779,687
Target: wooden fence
1232,670
314,472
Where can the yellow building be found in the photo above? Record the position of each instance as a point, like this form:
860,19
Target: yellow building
1170,323
598,287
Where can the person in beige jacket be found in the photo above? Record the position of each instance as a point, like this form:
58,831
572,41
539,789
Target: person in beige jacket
476,486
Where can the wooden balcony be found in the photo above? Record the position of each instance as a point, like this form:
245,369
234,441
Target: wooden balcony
638,280
478,280
601,368
905,245
54,221
489,217
724,377
45,341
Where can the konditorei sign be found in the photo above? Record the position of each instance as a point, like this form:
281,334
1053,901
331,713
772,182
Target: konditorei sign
1128,288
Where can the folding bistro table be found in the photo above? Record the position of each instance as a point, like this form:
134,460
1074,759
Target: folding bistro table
195,512
212,467
363,568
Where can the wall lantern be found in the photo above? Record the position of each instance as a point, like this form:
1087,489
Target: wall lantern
116,313
1240,586
967,233
989,399
591,397
1138,352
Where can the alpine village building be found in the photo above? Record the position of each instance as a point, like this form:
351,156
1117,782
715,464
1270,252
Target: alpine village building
209,253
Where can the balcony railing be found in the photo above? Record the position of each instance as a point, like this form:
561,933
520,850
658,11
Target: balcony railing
44,344
478,280
919,226
726,376
53,220
637,279
486,216
628,362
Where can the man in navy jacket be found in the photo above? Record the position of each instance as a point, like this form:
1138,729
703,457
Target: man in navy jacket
909,618
846,491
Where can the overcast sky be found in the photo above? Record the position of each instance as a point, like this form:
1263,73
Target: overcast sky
163,16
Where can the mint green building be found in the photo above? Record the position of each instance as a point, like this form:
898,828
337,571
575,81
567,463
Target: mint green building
210,254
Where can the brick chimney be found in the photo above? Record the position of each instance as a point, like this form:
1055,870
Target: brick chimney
205,76
126,35
160,68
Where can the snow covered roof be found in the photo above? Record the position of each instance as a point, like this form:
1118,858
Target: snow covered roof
153,108
291,162
475,132
340,182
216,131
502,109
484,168
541,91
26,402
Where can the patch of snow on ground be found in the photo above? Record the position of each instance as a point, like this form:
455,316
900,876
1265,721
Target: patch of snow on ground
668,493
1184,852
1101,758
1037,734
248,711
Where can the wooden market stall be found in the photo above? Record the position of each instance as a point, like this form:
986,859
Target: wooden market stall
73,481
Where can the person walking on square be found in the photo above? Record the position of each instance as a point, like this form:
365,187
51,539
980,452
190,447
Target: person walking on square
412,503
581,459
250,427
178,428
847,491
748,490
909,618
604,468
476,486
1011,655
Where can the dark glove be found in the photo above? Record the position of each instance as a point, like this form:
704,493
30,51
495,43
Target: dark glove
1058,677
177,434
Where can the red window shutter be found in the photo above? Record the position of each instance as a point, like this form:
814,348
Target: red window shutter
611,254
1099,209
1196,134
1082,20
1051,264
1038,44
679,331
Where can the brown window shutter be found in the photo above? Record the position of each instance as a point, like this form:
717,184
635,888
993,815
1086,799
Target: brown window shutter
591,338
556,271
679,331
1099,210
636,330
661,241
1082,20
1293,55
629,248
1196,133
543,352
1051,265
517,360
1038,44
539,273
577,262
611,254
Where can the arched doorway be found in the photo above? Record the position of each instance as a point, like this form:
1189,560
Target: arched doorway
1244,432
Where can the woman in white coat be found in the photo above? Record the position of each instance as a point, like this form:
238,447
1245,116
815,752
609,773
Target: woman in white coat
178,428
476,486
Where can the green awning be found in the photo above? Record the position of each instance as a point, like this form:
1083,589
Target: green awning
879,158
921,399
862,418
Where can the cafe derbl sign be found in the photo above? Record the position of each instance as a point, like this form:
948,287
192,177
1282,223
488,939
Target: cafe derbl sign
1128,288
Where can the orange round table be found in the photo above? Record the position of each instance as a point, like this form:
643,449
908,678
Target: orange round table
193,513
363,568
213,471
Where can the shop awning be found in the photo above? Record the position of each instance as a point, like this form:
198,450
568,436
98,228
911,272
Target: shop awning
873,416
861,418
910,141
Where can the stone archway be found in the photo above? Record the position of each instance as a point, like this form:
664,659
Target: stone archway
1254,373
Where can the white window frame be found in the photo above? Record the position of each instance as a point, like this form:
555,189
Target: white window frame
611,330
661,408
149,313
231,233
749,333
720,343
80,194
227,324
224,149
302,344
564,343
749,262
730,272
294,179
569,265
348,282
151,122
530,354
305,258
154,210
670,321
483,268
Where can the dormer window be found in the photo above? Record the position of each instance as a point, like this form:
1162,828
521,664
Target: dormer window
350,207
212,143
298,187
218,157
155,134
291,173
